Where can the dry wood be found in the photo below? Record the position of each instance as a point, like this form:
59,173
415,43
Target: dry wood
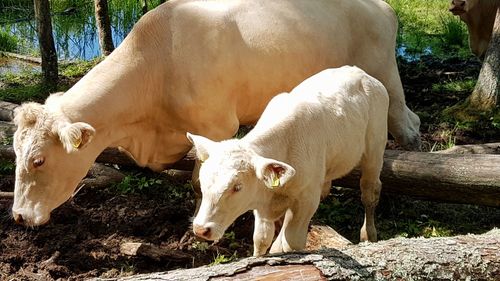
467,257
323,236
6,194
151,251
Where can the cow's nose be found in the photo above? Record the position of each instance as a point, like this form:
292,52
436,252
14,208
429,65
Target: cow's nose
202,231
18,219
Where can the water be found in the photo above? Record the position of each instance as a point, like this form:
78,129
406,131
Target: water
17,66
73,24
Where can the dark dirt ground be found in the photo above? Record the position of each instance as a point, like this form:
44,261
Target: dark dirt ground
84,235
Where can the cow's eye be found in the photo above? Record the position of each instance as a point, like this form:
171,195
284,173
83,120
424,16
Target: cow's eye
236,187
38,162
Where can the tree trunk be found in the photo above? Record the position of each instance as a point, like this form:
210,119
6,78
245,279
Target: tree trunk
468,257
144,6
46,41
103,26
485,96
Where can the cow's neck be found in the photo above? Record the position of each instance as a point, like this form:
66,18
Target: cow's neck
117,98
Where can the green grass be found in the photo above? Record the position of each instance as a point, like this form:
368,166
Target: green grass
8,42
427,26
455,86
7,167
400,216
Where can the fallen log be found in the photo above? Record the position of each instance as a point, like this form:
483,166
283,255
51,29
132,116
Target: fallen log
486,148
467,257
453,178
29,59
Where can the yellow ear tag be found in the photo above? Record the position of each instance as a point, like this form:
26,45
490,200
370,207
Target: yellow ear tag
77,143
276,181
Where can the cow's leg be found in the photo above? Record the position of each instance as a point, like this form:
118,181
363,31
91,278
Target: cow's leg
262,235
371,165
403,124
293,234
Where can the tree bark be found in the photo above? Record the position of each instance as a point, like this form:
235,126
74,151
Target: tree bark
467,257
485,96
103,26
46,41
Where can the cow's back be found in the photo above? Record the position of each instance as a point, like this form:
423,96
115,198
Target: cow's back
223,60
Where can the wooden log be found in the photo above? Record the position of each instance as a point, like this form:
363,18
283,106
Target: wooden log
29,59
153,252
467,257
454,178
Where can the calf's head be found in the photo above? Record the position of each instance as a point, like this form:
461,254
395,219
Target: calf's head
49,161
234,179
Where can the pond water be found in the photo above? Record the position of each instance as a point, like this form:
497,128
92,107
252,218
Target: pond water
17,66
73,24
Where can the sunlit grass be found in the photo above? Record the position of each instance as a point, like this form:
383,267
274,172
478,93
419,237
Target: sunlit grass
427,26
455,86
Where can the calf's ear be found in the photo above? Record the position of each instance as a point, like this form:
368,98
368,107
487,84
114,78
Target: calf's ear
75,136
273,173
201,144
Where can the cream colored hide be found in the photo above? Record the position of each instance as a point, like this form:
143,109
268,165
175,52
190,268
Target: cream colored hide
326,126
479,15
199,66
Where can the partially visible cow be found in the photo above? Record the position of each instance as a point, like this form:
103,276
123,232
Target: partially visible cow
479,15
326,126
199,66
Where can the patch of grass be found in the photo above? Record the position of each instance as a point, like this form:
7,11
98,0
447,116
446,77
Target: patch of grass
77,69
427,27
223,259
136,183
401,216
8,42
455,86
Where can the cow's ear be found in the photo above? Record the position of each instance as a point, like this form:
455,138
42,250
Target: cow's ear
202,145
273,173
75,136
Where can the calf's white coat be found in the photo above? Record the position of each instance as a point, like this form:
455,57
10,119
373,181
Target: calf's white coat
318,132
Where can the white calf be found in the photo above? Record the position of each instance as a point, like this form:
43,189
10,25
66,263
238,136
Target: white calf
320,131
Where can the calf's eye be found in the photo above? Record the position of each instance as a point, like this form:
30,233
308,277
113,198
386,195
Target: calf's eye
38,162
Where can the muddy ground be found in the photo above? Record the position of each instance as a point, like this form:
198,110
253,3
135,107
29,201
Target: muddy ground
84,235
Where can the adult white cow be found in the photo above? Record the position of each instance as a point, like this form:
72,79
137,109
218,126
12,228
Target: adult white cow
199,66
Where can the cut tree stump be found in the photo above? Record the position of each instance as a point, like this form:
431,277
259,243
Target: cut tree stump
467,257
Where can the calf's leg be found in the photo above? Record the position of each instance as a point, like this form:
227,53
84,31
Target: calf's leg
371,165
262,235
293,234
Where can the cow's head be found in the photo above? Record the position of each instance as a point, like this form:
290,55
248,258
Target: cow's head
50,161
233,179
